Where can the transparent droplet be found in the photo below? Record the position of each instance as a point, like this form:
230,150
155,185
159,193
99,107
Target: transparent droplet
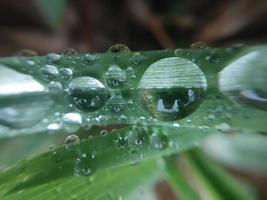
23,100
72,140
116,104
71,122
130,73
172,88
199,45
55,88
136,58
121,142
89,58
244,80
87,93
159,141
49,72
65,74
53,57
26,53
69,51
115,77
137,137
119,48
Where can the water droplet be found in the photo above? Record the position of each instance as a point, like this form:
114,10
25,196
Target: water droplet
69,51
49,72
116,103
115,77
119,48
172,88
130,73
26,53
65,74
121,142
53,127
223,127
72,140
53,57
87,93
244,80
23,100
158,141
89,58
199,45
137,137
136,59
71,122
55,88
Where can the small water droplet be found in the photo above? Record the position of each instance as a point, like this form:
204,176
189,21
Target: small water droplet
71,122
69,51
53,127
53,57
49,72
116,103
223,127
159,141
121,142
136,58
115,77
55,88
137,137
119,48
89,58
199,45
26,53
72,140
87,93
65,74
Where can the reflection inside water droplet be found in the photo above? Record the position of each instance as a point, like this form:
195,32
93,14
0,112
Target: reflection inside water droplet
172,88
87,93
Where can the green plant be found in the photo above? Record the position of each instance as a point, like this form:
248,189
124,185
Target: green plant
139,110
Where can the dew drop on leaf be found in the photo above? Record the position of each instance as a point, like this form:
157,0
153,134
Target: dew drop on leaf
158,141
49,72
71,122
172,88
65,74
115,77
53,57
87,93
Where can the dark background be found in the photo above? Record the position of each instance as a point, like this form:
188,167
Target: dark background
94,25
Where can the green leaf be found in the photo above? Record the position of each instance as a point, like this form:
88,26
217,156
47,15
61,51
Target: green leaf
109,184
120,148
244,151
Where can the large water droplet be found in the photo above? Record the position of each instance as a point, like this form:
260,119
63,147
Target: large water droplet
172,88
115,77
23,100
87,93
71,122
245,80
137,138
119,48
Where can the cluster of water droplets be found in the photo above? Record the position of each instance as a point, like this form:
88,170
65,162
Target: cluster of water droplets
164,89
